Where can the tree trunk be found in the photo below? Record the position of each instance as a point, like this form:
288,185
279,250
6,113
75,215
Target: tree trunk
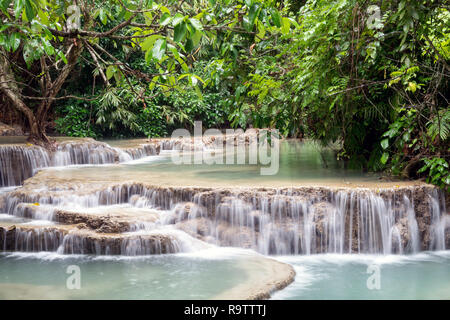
9,87
37,122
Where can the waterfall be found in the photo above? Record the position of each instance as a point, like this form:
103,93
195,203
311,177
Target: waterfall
301,220
284,221
439,223
84,242
20,162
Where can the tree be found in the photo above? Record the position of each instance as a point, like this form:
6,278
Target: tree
43,41
371,75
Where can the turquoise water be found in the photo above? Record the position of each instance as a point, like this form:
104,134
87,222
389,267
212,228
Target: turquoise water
299,162
420,276
43,276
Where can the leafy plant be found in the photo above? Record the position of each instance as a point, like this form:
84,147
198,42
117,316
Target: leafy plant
438,172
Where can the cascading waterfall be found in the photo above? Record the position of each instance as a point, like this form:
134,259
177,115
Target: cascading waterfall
285,221
272,221
64,241
76,153
439,223
20,162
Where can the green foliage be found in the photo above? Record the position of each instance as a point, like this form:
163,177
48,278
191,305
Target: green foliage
334,71
438,172
439,125
76,120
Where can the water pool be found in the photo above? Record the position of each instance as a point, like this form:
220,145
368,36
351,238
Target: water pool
43,276
301,163
331,276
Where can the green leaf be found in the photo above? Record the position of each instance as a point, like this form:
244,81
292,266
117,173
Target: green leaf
384,158
447,180
261,30
14,41
62,56
43,16
174,50
177,19
165,19
179,32
294,23
183,64
196,24
152,84
385,143
117,75
196,38
198,92
48,48
29,10
198,78
276,18
253,13
18,6
148,56
159,49
422,169
164,10
286,25
148,43
184,76
4,42
412,87
110,72
189,45
103,17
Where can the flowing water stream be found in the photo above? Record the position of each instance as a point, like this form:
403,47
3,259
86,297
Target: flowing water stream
140,226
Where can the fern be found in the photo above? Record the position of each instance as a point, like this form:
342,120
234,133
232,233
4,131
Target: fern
440,125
